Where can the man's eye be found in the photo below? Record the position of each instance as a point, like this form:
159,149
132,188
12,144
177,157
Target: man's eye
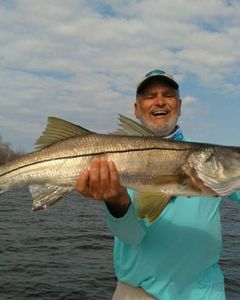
149,96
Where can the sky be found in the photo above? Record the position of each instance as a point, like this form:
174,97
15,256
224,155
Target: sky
81,60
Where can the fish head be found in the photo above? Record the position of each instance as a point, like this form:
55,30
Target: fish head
218,168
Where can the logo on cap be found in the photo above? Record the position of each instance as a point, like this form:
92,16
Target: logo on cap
155,72
158,73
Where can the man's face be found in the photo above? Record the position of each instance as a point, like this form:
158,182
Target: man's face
158,108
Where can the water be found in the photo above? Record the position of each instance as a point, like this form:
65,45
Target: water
230,261
66,252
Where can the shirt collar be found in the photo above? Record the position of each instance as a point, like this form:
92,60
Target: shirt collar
177,135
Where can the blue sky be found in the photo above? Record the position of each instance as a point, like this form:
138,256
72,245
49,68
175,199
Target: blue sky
81,60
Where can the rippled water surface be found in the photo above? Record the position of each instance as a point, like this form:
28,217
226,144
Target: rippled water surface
66,252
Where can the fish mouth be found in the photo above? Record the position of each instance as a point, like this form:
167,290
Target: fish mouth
160,113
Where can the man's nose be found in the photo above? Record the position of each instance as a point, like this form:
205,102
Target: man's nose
159,99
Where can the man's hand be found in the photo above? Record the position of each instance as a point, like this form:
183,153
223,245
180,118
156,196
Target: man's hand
101,182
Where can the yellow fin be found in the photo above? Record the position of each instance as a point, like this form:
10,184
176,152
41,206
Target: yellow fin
150,205
58,130
165,179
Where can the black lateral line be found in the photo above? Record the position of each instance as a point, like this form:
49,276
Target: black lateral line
95,153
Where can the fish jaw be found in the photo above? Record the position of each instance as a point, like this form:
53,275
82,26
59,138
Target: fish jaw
230,161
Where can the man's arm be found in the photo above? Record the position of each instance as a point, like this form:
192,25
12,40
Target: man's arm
101,182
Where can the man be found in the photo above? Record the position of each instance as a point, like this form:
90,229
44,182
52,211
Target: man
175,257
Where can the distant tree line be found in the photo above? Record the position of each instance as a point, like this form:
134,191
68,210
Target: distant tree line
7,153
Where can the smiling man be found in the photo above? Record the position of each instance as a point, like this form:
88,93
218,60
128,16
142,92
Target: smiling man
176,257
158,103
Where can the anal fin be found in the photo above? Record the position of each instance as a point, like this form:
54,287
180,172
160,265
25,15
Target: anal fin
46,195
149,205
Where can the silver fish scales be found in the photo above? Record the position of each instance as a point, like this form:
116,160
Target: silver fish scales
156,168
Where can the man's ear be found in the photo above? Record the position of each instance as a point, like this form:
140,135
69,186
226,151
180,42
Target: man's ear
136,110
180,105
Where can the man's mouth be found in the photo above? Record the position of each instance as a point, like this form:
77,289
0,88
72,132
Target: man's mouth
160,113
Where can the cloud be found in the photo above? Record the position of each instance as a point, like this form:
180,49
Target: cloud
81,60
55,36
191,109
189,100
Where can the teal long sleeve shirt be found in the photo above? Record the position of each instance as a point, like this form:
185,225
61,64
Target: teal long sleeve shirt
176,257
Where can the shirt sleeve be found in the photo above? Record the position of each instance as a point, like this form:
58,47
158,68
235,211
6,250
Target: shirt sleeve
235,196
128,228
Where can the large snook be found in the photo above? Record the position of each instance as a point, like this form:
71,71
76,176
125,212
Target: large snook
156,168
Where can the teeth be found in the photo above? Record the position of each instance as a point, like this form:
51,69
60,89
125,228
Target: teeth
160,113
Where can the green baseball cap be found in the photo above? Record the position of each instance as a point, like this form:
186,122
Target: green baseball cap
166,77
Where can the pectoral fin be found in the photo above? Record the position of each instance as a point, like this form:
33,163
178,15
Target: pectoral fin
47,195
150,205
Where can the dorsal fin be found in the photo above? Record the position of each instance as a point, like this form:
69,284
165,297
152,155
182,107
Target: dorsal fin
128,126
58,130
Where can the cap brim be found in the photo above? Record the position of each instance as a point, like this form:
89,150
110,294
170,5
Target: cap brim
163,78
